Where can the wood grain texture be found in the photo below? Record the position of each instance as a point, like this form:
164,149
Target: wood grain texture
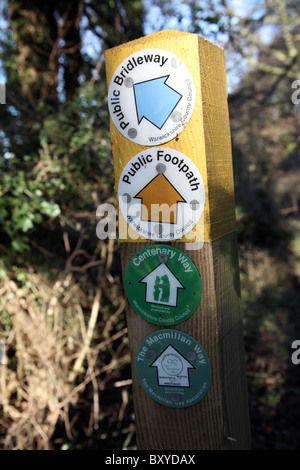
220,419
217,326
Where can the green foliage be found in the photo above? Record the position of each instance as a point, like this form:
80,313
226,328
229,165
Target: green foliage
60,178
55,169
23,206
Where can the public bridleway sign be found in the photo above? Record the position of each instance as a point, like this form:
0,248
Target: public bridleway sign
151,97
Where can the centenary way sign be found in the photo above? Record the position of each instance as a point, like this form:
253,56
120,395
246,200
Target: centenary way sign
167,100
162,285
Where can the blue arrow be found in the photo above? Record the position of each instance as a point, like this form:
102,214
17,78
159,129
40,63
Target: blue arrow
155,100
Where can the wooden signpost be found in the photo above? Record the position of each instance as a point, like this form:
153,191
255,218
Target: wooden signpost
167,98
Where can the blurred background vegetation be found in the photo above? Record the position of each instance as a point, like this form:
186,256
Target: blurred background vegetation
65,378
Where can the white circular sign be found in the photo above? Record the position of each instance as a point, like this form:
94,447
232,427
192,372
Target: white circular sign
161,194
151,97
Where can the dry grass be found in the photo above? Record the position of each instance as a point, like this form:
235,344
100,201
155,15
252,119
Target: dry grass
51,353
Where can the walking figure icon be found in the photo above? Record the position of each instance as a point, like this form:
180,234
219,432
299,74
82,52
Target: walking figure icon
162,286
162,289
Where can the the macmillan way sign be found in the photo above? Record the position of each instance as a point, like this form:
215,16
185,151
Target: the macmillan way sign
161,194
151,97
163,285
173,368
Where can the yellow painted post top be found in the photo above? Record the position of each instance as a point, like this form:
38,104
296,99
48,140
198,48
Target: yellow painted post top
205,139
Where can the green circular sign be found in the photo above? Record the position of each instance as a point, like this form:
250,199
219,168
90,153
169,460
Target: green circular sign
163,285
173,368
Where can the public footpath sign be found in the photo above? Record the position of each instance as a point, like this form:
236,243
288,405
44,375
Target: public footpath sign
173,368
151,96
161,194
163,285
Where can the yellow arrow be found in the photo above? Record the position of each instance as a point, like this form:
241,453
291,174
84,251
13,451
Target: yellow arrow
159,201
